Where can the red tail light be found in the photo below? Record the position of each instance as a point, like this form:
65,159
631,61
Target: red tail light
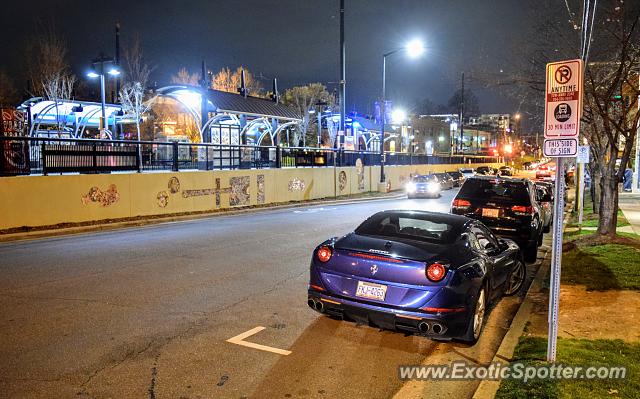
436,272
519,209
324,254
460,203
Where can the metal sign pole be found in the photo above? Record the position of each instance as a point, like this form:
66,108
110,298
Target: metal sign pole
580,194
556,259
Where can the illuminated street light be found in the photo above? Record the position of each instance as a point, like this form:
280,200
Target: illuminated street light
414,49
398,116
97,71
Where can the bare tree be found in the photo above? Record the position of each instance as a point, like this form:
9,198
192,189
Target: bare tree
611,103
46,55
132,96
184,77
135,67
303,99
58,88
48,70
229,81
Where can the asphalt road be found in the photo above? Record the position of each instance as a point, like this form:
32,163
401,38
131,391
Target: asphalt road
146,312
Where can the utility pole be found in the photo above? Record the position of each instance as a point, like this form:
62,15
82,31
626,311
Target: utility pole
342,69
204,114
462,114
118,128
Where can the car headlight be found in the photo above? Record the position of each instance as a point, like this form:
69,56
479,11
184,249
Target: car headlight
410,187
433,187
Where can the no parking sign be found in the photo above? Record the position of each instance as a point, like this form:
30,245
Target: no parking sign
563,108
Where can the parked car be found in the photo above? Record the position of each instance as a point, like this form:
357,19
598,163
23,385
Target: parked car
446,182
467,172
544,196
458,178
526,165
427,186
427,273
486,170
507,206
543,172
506,171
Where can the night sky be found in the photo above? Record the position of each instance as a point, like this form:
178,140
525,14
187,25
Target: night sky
294,40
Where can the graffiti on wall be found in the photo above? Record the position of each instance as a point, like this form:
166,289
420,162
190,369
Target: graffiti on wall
104,198
218,191
342,180
163,199
261,196
360,174
173,185
239,191
296,185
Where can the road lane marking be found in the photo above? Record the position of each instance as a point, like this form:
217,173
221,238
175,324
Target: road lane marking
239,340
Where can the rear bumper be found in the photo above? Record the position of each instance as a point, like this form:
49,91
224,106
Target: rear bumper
434,325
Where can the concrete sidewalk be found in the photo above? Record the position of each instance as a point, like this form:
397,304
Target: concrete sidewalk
630,205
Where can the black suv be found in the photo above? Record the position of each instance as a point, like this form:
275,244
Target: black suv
507,206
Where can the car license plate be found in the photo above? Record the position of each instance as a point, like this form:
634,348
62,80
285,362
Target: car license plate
490,212
371,290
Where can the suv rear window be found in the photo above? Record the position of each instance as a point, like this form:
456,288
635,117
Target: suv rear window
501,190
413,227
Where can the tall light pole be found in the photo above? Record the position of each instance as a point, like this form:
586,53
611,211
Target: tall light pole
99,66
343,83
414,49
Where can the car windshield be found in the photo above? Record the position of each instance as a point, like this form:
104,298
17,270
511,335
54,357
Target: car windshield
408,226
497,189
466,170
441,176
455,174
424,179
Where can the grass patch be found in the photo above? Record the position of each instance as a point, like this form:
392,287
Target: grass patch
602,265
590,219
576,352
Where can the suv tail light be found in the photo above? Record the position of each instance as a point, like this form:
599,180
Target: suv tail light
522,210
460,203
324,254
436,272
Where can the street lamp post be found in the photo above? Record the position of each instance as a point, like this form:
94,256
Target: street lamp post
99,66
414,48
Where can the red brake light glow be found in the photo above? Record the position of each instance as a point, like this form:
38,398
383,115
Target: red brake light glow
460,203
324,254
436,272
522,209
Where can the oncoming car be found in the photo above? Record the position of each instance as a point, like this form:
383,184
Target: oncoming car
427,273
423,186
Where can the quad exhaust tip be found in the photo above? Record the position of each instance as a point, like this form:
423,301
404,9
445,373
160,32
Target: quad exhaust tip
317,305
423,327
437,328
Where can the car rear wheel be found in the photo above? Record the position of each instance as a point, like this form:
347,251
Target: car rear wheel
516,279
476,321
